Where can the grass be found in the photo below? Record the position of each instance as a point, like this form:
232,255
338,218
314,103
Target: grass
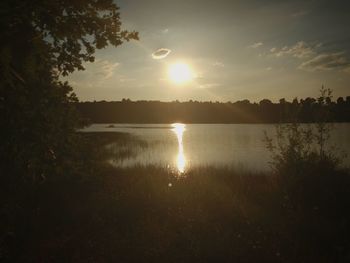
151,214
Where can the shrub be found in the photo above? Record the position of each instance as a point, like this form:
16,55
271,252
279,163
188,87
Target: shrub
305,166
302,147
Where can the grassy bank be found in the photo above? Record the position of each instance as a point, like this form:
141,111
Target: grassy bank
150,214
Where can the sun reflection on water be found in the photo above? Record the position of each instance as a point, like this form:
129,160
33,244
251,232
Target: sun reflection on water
178,129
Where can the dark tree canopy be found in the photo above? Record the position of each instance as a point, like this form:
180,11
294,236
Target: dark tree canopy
41,40
67,32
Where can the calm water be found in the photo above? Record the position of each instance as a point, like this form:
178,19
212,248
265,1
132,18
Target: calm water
181,147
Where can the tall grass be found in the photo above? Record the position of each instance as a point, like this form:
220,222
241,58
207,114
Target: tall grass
153,214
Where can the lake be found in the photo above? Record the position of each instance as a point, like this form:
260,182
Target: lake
180,147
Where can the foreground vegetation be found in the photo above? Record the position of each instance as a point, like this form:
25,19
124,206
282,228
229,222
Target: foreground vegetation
150,214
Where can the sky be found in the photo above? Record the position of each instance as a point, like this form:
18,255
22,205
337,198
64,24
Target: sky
251,49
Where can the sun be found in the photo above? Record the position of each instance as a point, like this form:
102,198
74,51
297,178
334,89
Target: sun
180,73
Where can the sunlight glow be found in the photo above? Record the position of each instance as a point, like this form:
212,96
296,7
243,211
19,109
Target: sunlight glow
180,73
178,129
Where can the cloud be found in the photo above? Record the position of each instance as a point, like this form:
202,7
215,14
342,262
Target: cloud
218,64
161,53
256,45
106,68
299,50
314,59
327,61
209,85
165,31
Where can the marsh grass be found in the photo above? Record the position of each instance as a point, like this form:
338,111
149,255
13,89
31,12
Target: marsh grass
150,214
153,214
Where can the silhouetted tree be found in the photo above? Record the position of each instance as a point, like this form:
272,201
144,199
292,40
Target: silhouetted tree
340,100
347,100
41,40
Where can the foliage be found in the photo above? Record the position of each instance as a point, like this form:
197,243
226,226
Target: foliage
42,40
306,167
38,129
63,33
305,110
300,146
209,215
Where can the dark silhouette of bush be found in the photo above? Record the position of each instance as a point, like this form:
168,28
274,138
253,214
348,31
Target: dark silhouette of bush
299,146
312,184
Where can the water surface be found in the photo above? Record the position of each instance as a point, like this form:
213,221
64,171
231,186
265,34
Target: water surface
181,147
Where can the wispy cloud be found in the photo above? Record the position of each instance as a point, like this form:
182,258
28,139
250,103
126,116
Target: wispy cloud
218,64
256,45
299,50
314,59
209,85
327,61
106,68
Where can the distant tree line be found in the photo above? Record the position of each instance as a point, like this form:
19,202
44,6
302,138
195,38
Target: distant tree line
127,111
